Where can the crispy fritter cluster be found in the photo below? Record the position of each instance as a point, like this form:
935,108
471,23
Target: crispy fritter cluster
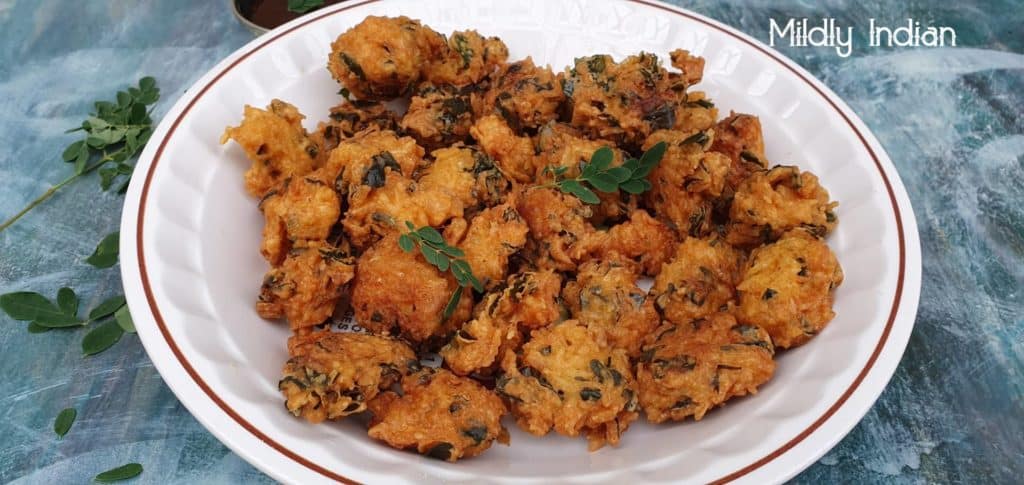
440,415
460,228
564,379
688,368
788,286
334,375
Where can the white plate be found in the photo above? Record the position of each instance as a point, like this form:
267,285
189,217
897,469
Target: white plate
191,266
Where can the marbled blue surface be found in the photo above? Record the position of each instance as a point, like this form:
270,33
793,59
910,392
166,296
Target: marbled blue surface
950,118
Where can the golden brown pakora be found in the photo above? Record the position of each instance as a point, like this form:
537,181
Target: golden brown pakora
699,280
620,101
439,415
334,375
438,116
301,209
307,285
276,143
739,137
689,368
494,235
514,155
524,95
566,380
788,287
641,242
481,343
345,120
468,174
529,300
687,181
381,57
401,294
560,235
606,299
769,203
466,58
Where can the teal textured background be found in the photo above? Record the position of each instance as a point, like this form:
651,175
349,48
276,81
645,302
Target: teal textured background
950,118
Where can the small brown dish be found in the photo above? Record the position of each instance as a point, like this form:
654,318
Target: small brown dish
260,16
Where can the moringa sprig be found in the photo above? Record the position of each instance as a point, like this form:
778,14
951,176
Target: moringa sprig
630,177
113,135
442,255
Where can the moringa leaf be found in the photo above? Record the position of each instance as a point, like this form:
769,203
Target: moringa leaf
124,319
107,307
123,472
29,306
107,250
67,301
453,303
64,420
101,338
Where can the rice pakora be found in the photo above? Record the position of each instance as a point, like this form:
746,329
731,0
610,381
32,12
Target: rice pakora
769,203
401,294
507,221
688,368
566,380
440,415
276,143
606,299
336,374
699,280
788,286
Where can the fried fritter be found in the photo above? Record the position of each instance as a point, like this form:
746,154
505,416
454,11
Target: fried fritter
467,58
685,183
381,58
529,300
466,173
276,143
739,137
606,299
699,281
399,293
642,242
769,203
787,288
438,116
623,102
347,119
566,380
362,162
302,209
482,342
334,375
691,65
514,155
494,235
688,368
524,95
374,170
560,236
307,285
439,415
